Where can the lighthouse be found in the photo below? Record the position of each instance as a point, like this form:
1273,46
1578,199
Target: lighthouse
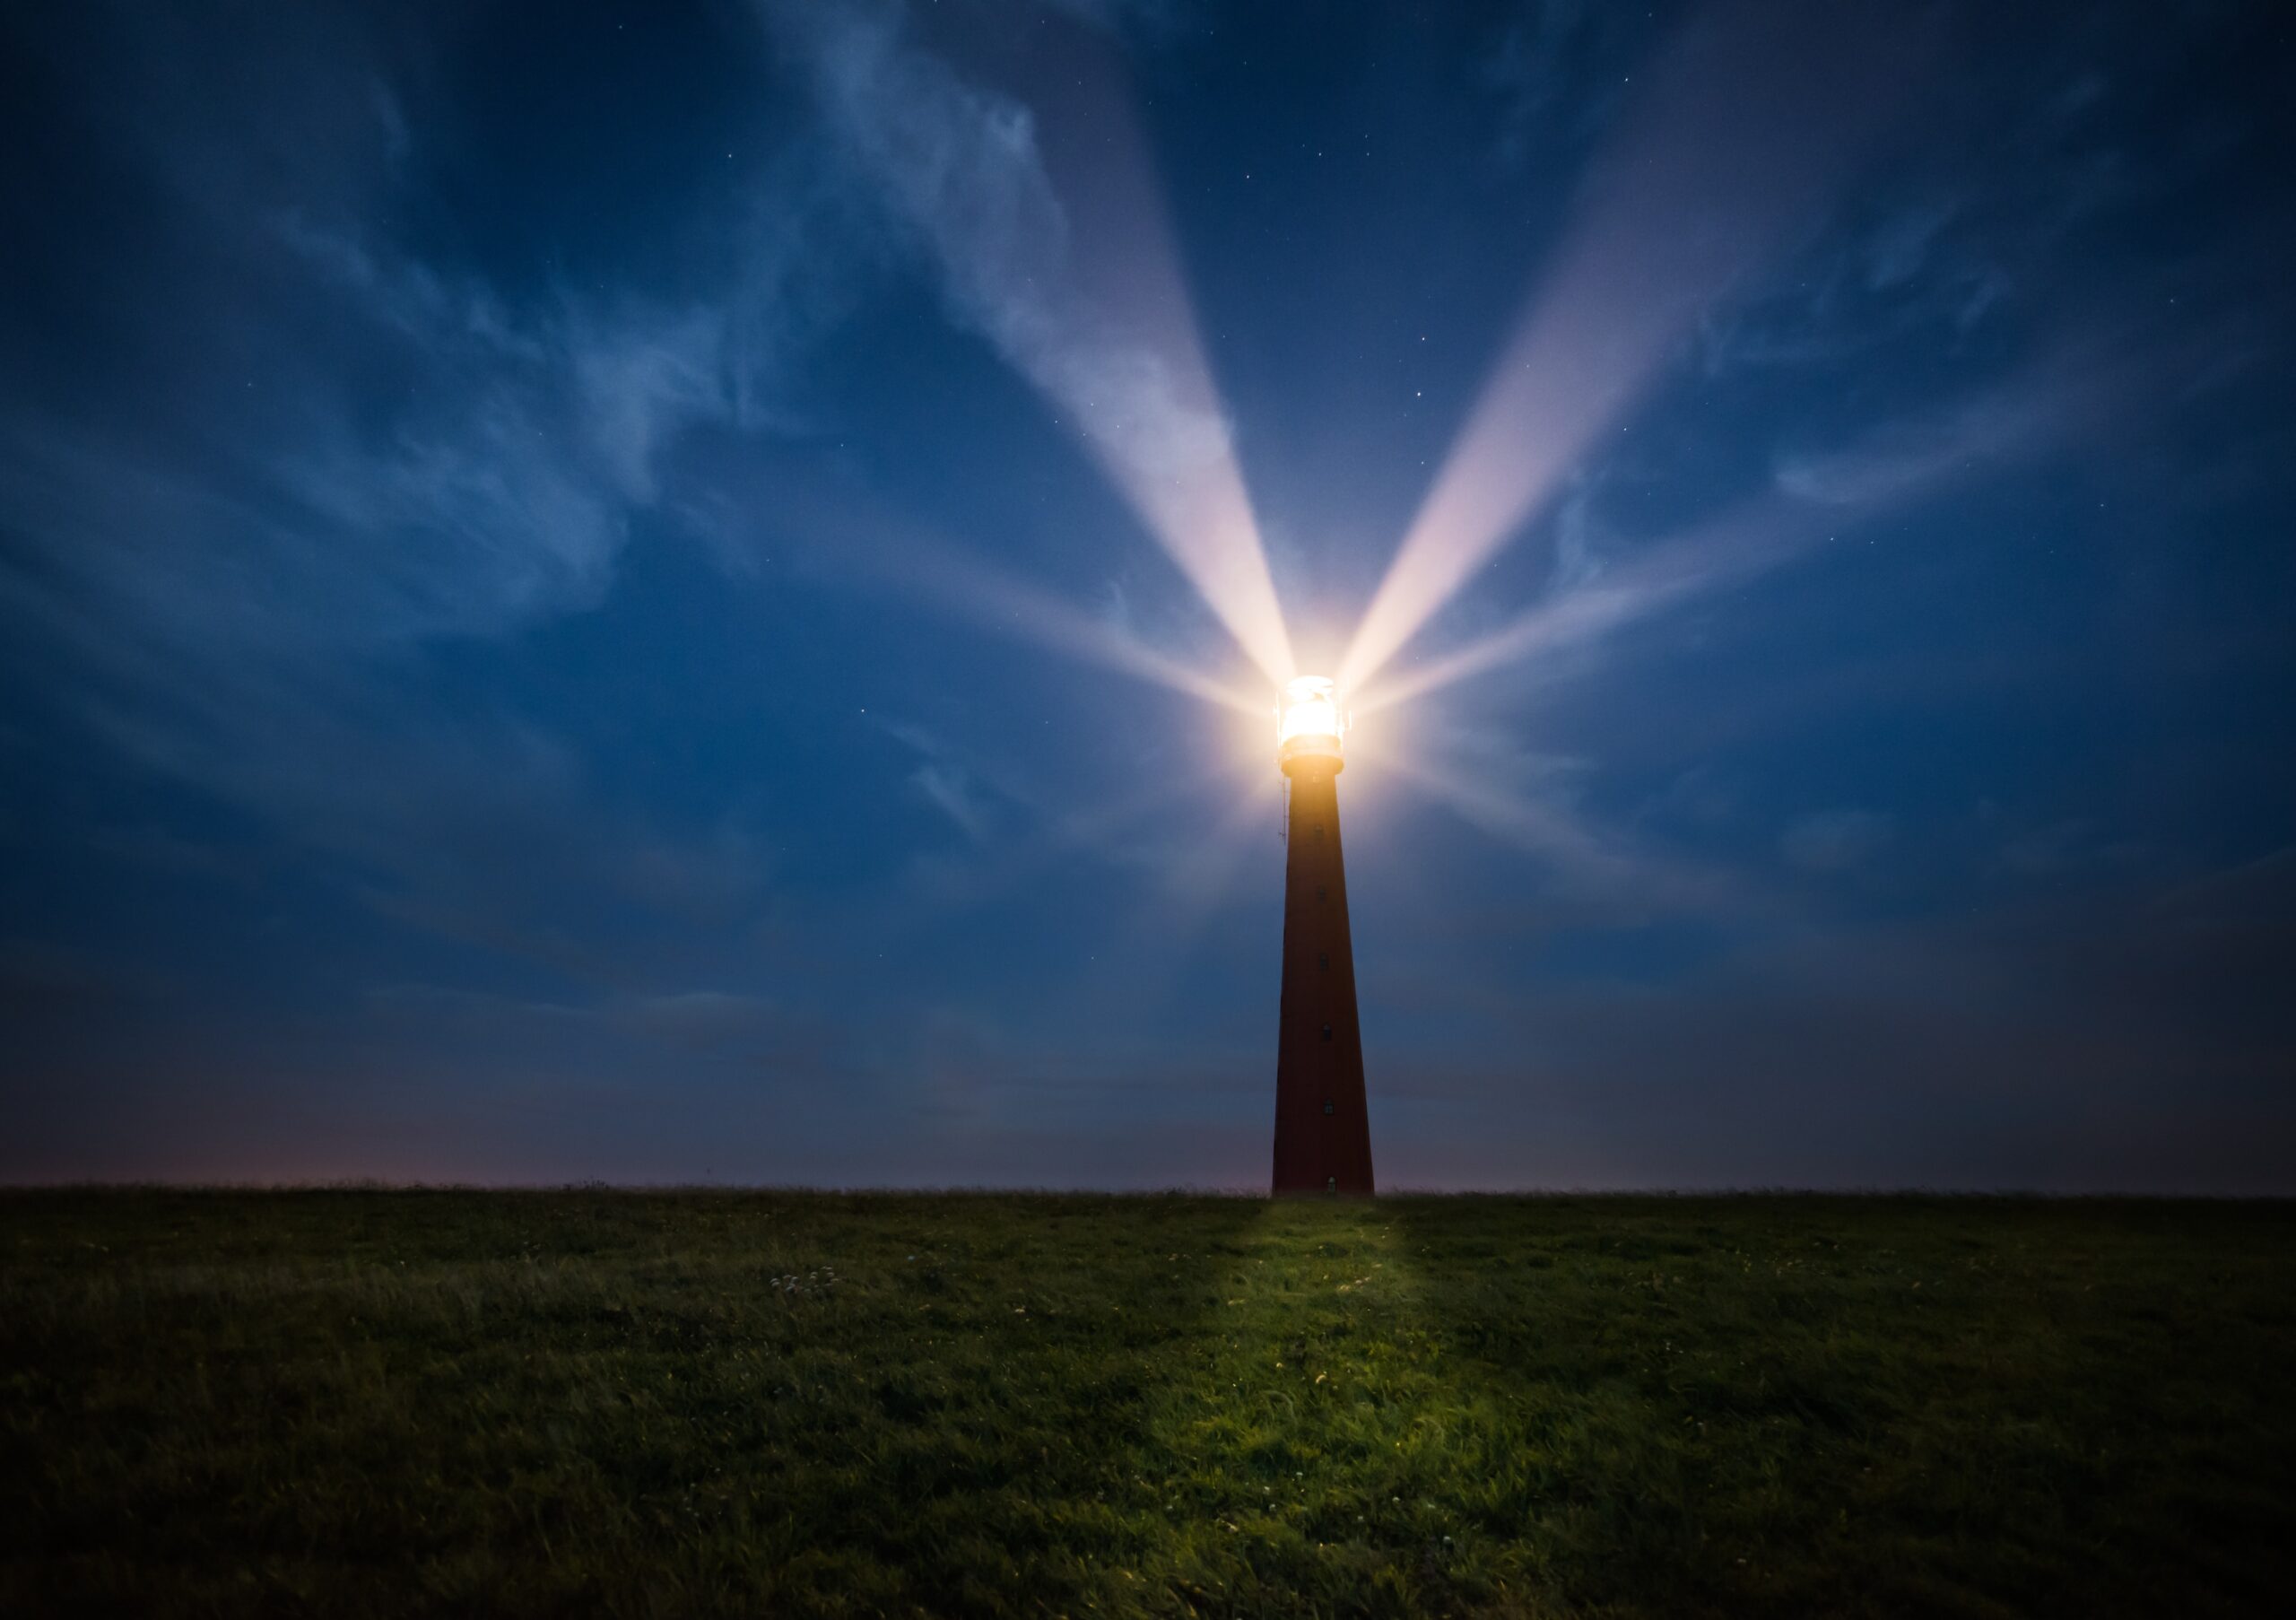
1322,1128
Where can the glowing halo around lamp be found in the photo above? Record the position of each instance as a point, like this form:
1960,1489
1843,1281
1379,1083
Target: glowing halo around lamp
1309,723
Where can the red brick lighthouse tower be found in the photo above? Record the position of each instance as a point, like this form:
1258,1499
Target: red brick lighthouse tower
1322,1130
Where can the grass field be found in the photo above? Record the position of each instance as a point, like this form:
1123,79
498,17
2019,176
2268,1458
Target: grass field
790,1404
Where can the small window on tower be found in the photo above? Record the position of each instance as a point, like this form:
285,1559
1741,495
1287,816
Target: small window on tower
1327,1107
1323,962
1319,891
1326,1036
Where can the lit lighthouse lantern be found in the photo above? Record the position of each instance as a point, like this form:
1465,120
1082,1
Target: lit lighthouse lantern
1310,721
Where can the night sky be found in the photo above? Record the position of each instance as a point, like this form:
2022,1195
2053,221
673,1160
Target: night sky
675,592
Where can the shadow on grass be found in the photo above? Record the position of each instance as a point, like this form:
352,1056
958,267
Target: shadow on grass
375,1401
1882,1406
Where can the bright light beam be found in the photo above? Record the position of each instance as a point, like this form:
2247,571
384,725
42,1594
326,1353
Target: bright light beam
1586,860
852,535
1194,886
1042,212
1754,111
1096,832
1130,366
1732,550
1822,496
967,586
1518,820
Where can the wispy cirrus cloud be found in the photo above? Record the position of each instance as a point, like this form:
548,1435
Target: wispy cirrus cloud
944,781
358,451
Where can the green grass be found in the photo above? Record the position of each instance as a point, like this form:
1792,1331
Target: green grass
789,1404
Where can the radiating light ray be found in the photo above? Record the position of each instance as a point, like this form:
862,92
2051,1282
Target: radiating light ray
1094,829
1156,944
1723,553
1203,521
1201,879
1586,860
1707,176
1544,829
1130,366
853,536
973,588
1819,497
1043,213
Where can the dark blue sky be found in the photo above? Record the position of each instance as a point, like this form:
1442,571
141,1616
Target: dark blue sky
598,591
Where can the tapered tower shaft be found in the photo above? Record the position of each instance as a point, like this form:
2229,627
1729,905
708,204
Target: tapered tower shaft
1322,1128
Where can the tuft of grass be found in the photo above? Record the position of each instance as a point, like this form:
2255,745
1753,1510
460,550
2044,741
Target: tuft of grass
382,1402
